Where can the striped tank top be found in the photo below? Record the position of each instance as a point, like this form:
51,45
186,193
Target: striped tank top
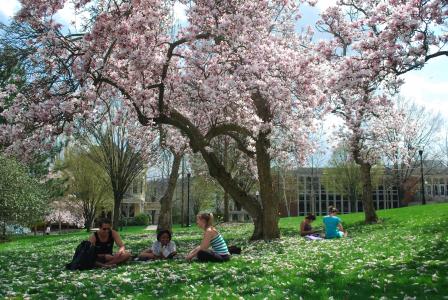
219,246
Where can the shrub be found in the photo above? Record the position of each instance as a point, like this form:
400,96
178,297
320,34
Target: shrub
141,219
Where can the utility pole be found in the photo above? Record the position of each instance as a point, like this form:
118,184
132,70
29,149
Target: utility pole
182,210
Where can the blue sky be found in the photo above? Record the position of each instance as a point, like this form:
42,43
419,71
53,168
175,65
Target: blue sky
427,87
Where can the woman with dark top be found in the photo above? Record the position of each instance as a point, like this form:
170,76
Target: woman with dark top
305,226
104,240
211,238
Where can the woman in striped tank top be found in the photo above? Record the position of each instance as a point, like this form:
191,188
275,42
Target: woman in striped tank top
212,238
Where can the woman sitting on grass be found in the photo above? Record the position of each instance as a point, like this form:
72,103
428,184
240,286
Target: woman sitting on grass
163,248
305,226
333,225
213,238
104,240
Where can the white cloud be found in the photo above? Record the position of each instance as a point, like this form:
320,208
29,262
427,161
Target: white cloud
70,17
324,4
180,11
426,91
9,7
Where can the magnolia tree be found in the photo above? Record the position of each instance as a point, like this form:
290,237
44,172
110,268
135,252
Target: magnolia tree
373,42
66,211
237,69
427,126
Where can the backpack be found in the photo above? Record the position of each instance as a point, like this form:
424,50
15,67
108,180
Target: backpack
234,249
84,258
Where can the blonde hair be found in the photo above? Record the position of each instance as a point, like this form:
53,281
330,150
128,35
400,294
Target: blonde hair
207,217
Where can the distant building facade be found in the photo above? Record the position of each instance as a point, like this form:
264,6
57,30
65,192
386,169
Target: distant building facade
306,187
138,200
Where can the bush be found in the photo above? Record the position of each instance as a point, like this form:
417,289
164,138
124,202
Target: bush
141,219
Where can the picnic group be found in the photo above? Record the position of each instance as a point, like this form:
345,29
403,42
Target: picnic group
98,250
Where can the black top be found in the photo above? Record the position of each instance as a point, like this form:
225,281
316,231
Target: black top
307,227
104,247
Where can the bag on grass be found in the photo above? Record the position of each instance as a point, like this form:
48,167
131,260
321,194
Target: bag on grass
84,258
234,249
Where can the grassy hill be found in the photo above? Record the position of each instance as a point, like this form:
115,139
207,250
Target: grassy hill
404,256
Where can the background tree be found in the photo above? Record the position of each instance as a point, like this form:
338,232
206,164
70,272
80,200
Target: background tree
88,184
343,176
166,201
109,147
269,90
373,43
424,134
66,211
23,200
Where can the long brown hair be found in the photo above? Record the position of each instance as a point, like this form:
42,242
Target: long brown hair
207,217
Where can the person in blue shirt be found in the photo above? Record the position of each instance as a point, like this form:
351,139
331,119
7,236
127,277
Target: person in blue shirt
333,225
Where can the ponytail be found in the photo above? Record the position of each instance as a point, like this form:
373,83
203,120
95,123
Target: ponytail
207,217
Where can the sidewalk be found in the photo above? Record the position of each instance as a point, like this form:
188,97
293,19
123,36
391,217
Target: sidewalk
151,227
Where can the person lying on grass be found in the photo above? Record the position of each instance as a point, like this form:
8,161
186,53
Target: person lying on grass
213,238
306,228
333,224
103,240
163,248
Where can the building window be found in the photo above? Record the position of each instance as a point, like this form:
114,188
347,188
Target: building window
442,190
436,190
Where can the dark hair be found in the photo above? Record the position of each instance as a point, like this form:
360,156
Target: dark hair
104,221
310,217
162,232
332,209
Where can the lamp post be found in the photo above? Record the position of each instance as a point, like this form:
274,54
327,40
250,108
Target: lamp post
188,199
420,152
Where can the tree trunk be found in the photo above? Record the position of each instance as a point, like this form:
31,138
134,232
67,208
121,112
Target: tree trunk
182,209
226,194
89,220
117,211
226,207
165,217
248,202
401,195
266,226
269,199
367,201
4,231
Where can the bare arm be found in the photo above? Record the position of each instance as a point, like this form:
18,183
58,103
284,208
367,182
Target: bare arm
208,235
118,241
304,232
92,239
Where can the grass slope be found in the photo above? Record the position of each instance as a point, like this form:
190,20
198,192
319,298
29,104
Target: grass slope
404,256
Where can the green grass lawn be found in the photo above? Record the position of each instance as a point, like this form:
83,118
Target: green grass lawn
404,256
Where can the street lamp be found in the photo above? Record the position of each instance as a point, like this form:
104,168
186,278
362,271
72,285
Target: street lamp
420,152
188,199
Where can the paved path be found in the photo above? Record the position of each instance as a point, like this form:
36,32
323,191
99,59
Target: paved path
151,227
